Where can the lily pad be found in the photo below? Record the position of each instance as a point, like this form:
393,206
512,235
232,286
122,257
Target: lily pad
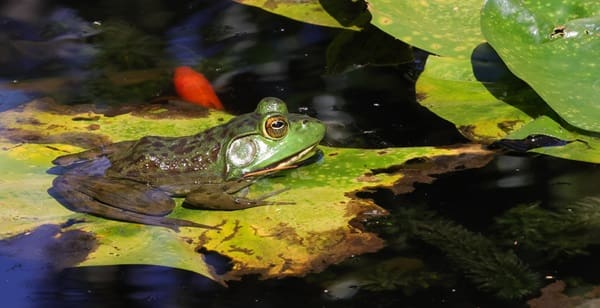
579,146
442,27
449,88
555,47
321,228
498,107
328,13
371,46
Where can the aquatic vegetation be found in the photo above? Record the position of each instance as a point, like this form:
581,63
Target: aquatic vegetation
406,275
539,235
373,273
130,65
551,233
107,87
124,47
489,267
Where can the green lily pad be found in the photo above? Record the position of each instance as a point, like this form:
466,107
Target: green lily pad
371,46
499,108
449,88
321,228
580,147
328,13
555,47
442,27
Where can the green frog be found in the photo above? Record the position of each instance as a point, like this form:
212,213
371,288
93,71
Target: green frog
135,180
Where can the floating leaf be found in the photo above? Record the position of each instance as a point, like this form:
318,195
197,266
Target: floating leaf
449,89
370,46
442,27
555,47
497,108
271,241
329,13
579,146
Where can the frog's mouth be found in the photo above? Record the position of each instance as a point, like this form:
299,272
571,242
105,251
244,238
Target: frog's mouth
304,157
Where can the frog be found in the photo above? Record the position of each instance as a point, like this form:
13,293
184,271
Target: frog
136,180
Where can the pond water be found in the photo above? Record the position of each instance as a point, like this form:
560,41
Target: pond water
249,54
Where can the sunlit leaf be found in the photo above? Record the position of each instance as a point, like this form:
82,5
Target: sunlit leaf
449,89
555,47
499,107
271,241
329,13
442,27
579,147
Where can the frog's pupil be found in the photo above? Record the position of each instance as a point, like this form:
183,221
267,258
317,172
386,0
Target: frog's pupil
278,124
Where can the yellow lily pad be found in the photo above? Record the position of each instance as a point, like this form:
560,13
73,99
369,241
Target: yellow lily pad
312,11
322,227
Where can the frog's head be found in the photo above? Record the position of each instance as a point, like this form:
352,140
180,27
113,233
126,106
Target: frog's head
270,139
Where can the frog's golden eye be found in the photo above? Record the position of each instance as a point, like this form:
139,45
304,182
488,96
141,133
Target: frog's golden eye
276,127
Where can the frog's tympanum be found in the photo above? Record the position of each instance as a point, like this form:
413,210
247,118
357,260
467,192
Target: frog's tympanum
135,180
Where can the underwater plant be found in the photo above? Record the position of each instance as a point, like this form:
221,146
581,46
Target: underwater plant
489,267
552,233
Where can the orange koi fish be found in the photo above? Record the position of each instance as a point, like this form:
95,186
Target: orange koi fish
193,87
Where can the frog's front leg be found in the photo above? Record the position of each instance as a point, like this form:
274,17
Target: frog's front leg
230,196
118,199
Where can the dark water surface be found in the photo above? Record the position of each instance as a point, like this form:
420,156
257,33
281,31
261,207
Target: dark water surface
249,54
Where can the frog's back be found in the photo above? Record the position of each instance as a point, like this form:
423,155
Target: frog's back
171,160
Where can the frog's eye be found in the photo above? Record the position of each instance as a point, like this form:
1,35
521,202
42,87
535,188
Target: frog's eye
276,127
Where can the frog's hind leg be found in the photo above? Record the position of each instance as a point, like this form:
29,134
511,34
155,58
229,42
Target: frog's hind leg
119,200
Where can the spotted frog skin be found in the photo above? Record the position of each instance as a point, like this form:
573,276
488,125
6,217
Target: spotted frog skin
135,180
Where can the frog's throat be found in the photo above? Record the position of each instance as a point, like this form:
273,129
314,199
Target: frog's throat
288,163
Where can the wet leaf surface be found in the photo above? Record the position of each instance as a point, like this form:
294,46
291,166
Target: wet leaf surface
371,46
442,27
322,227
329,13
555,47
500,107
